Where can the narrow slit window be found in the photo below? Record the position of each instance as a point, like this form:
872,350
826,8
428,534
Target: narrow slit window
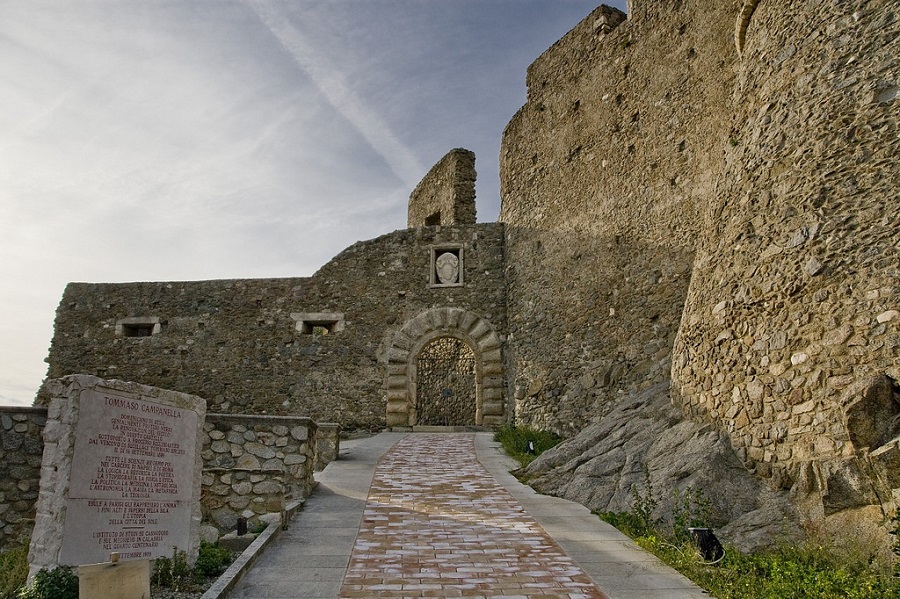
318,323
319,328
139,326
137,330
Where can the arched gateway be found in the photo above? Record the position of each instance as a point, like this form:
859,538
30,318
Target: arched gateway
470,351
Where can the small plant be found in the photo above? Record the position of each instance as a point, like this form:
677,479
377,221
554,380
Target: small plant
640,521
259,528
895,547
212,560
525,443
691,508
643,505
59,583
13,571
172,572
176,574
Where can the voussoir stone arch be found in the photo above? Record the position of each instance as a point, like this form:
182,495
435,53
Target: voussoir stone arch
407,343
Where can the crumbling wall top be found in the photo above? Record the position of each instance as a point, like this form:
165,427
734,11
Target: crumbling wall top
446,195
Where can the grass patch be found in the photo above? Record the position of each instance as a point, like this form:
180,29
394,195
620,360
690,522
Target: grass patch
13,571
809,570
525,443
796,572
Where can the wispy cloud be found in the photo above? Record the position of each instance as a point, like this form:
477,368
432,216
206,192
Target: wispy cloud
340,95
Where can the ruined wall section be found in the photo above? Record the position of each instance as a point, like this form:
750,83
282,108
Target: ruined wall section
293,347
604,175
790,336
446,195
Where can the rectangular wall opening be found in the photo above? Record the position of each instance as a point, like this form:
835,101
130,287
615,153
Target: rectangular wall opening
139,326
318,323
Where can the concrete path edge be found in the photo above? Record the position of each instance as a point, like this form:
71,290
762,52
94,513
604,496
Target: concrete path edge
222,587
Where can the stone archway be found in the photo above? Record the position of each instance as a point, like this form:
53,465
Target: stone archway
407,345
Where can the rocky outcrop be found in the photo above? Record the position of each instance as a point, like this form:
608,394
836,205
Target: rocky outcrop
644,443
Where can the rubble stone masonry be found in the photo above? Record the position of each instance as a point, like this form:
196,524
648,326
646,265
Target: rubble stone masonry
297,346
681,210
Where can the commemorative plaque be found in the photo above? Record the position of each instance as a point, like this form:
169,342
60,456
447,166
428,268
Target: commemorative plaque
131,480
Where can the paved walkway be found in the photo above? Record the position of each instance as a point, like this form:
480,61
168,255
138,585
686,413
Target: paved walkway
440,516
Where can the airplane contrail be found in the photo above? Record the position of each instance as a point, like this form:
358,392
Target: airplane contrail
338,93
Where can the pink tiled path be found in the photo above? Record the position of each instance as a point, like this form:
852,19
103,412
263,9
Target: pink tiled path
437,524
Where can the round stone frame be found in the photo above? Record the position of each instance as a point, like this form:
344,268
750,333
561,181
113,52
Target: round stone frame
407,343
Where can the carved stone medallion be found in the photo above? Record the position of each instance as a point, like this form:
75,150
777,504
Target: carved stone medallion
447,268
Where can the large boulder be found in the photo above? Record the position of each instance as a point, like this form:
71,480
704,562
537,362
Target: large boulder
644,446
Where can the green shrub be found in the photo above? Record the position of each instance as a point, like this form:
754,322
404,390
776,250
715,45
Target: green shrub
59,583
515,442
13,571
175,573
212,560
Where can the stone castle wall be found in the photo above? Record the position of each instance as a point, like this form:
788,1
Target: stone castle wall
446,195
677,210
604,175
255,465
303,346
791,319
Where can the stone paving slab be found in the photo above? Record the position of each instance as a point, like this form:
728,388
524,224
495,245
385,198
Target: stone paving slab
437,524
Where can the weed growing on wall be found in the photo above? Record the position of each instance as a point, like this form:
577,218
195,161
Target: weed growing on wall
895,547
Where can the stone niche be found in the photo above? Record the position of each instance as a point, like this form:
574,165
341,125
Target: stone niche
120,473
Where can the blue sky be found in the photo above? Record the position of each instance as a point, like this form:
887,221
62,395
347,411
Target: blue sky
186,140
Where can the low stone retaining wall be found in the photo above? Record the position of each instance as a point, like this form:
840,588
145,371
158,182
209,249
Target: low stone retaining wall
328,444
253,465
21,448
